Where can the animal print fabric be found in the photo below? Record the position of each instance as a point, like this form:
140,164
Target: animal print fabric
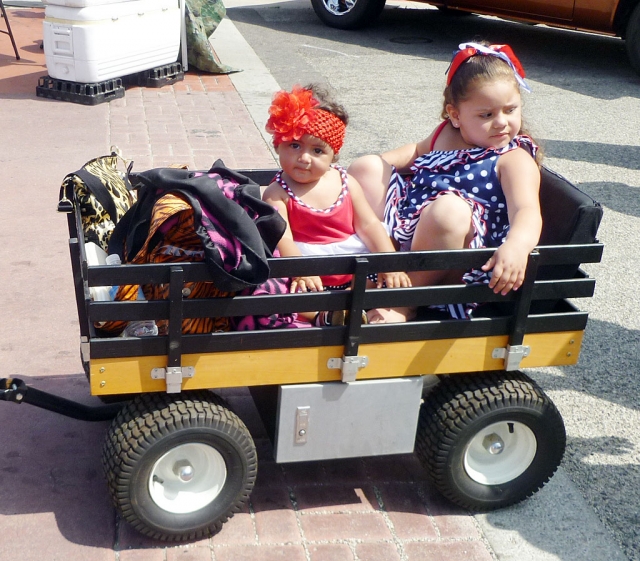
97,224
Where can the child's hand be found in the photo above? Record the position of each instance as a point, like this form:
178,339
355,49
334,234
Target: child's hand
394,280
509,264
306,284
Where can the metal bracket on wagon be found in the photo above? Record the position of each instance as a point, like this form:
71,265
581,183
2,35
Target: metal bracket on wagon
512,354
174,376
348,365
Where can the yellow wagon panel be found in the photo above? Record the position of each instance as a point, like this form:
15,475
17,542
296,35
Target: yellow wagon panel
309,364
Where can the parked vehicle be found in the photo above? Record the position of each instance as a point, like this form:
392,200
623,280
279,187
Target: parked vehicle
611,17
179,462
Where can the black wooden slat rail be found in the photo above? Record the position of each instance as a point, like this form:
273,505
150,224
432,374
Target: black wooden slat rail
539,306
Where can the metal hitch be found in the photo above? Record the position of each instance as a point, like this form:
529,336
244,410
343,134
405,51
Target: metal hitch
16,390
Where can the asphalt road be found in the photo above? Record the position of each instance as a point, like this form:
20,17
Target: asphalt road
585,112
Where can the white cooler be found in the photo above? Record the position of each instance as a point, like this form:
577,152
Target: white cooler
83,3
95,43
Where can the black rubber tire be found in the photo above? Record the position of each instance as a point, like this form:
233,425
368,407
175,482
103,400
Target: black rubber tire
632,39
363,13
152,425
459,408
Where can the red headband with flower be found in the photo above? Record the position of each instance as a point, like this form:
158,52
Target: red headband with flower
294,114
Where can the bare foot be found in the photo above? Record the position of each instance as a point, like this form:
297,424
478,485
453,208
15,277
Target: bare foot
390,315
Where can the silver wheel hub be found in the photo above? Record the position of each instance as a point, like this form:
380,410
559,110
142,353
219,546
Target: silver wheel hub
184,470
339,7
187,478
500,453
493,444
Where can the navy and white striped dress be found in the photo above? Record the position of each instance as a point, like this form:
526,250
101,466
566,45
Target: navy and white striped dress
469,174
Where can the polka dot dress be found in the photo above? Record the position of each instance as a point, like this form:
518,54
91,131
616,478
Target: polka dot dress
469,174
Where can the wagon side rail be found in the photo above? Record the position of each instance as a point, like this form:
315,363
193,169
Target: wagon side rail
519,319
542,305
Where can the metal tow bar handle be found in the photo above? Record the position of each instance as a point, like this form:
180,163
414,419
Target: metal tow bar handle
14,389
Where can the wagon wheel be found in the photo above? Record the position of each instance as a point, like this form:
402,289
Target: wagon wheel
489,440
178,467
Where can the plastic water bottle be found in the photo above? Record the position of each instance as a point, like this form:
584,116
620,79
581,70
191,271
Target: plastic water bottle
113,259
143,327
96,256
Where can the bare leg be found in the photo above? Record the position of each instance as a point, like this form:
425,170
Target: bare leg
444,224
373,174
308,316
390,315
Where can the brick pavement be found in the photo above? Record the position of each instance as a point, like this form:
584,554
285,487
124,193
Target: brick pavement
53,500
188,122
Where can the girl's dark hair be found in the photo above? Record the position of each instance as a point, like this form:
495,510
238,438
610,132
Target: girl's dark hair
473,72
327,103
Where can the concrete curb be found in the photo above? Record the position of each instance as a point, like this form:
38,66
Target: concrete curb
254,83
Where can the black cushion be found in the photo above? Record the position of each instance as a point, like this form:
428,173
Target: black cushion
569,216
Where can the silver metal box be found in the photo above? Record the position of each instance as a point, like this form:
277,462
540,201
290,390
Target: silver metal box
345,420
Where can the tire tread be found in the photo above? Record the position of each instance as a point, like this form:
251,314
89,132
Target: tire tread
150,417
458,401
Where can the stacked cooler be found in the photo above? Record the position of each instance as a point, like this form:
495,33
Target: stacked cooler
90,41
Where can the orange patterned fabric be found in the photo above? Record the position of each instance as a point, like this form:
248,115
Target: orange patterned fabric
294,114
179,243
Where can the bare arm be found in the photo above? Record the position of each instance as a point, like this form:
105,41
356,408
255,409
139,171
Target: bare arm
374,171
370,230
520,179
402,158
275,196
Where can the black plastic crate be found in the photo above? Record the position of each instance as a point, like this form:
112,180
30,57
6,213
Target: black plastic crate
157,77
76,92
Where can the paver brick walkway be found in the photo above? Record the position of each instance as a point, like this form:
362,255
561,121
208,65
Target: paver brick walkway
189,122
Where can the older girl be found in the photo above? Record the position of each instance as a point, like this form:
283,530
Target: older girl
473,182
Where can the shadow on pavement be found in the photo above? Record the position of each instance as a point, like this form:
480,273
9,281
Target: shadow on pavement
601,467
608,367
51,464
618,155
604,388
20,77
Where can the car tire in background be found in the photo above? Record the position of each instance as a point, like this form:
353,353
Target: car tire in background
632,39
348,14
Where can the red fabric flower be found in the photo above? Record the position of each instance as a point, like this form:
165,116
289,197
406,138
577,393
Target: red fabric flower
290,114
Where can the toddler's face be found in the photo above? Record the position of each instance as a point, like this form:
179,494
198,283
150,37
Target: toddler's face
491,116
305,160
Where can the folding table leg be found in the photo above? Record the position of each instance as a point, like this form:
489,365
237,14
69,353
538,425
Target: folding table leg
8,31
